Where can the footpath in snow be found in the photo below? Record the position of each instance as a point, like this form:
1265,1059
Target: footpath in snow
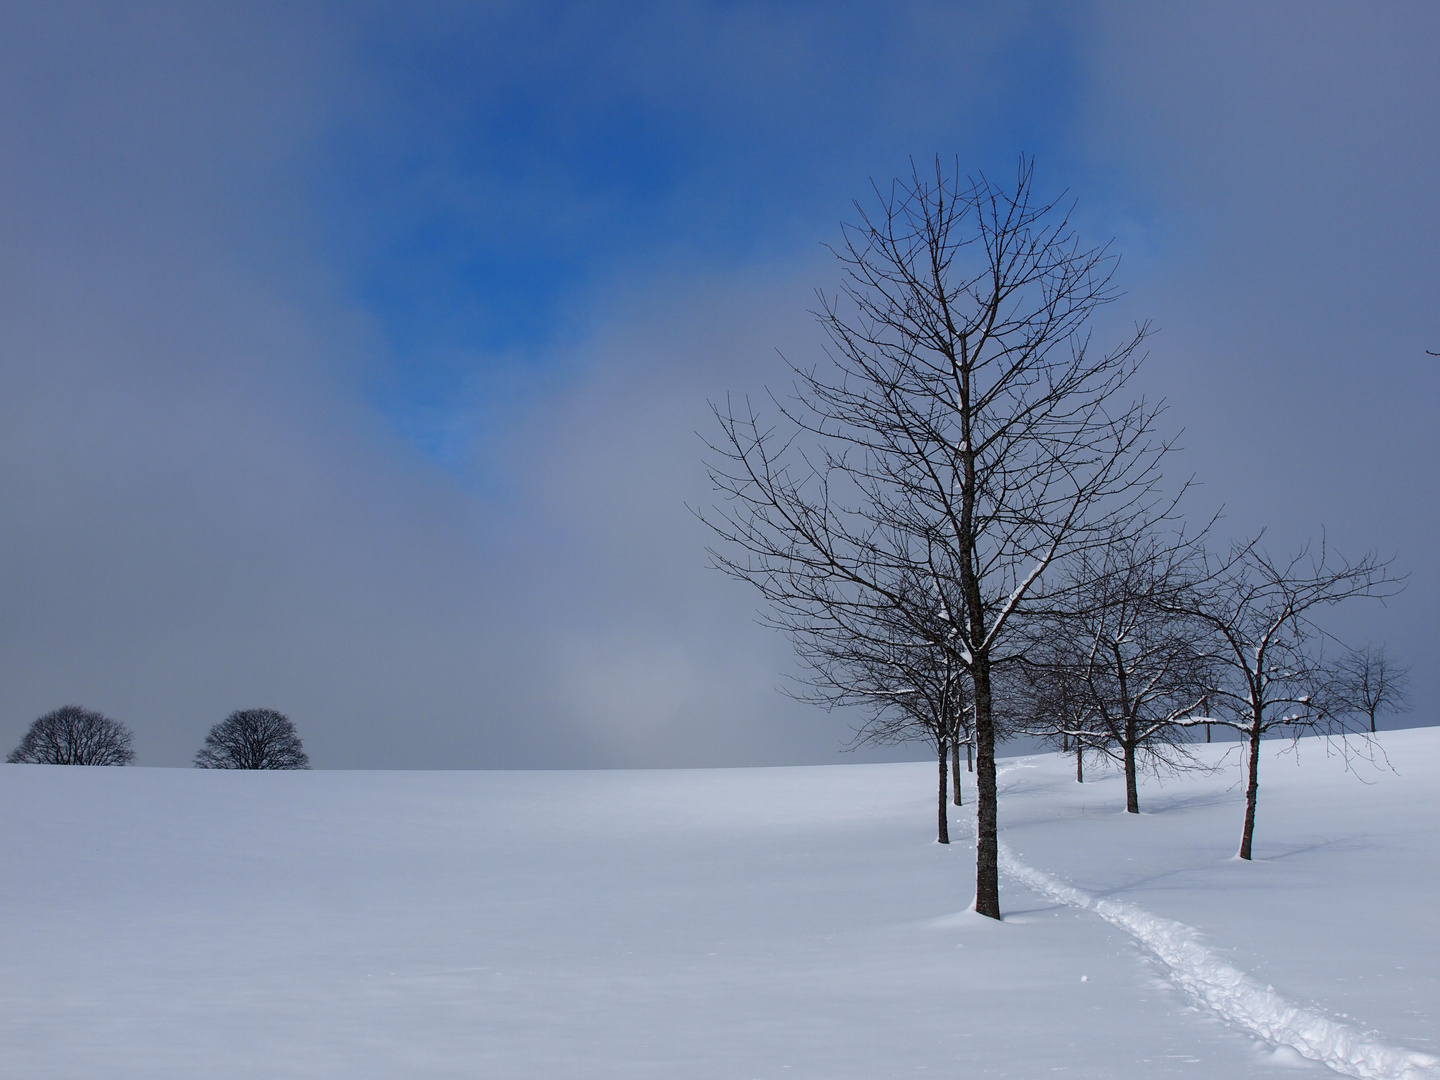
1211,979
1233,994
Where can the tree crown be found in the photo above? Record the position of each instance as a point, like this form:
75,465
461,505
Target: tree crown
253,739
72,735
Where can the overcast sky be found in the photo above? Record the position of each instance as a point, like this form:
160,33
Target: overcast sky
352,356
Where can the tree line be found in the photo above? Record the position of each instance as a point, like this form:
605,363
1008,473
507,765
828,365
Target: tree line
959,518
246,739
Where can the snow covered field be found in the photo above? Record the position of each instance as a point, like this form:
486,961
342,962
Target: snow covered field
761,923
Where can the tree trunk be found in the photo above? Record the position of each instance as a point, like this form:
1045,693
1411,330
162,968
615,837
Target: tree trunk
944,824
1251,790
970,756
955,769
987,837
1132,793
1079,763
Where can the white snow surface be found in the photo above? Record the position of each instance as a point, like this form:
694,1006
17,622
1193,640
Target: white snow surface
1233,994
750,923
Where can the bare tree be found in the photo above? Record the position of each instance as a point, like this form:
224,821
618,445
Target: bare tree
1047,702
963,434
907,683
1272,675
1371,682
929,707
74,736
253,739
1123,673
963,735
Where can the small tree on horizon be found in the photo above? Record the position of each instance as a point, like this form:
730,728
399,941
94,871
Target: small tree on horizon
72,735
253,739
1372,682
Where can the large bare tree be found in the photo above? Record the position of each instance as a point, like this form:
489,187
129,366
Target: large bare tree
1273,677
962,432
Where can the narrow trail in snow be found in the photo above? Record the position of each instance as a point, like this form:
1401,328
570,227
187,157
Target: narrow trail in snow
1232,993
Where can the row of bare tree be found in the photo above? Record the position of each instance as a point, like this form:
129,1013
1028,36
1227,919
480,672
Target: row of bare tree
246,739
1143,644
1149,641
960,522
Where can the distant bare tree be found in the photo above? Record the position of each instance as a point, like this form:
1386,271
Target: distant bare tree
74,736
929,707
897,670
1371,682
1047,703
964,433
1123,674
964,735
253,739
1272,675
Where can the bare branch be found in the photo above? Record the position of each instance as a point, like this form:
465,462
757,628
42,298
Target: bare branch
74,736
963,439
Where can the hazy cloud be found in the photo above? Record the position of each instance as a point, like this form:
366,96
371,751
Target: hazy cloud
217,491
